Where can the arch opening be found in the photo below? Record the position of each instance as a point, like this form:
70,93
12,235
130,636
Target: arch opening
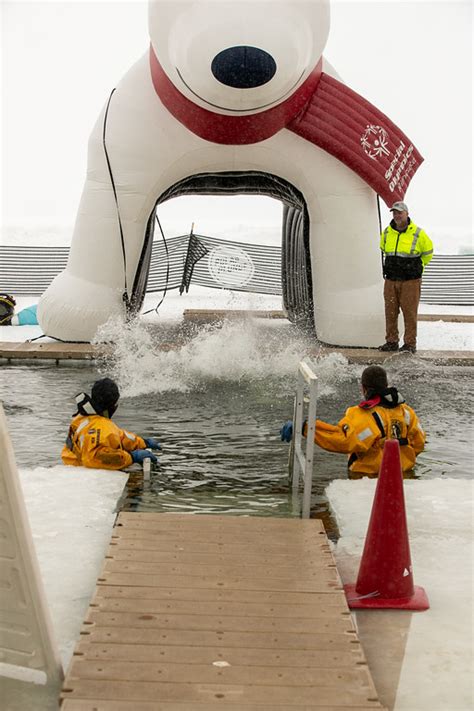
296,277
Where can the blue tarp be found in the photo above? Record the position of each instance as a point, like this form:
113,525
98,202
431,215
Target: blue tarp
26,317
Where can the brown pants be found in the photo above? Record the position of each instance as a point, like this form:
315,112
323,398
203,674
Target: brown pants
404,295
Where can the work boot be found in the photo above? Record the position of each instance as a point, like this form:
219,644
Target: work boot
407,349
389,346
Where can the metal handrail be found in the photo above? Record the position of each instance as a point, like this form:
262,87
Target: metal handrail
302,463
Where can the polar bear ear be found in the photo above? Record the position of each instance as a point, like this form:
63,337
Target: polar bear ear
238,56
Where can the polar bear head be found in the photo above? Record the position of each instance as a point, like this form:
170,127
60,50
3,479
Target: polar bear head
238,58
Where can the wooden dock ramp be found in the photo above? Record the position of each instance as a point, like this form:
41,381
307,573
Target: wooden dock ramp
204,612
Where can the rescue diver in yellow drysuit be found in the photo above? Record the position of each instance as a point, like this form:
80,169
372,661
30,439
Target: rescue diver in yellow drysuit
95,441
364,428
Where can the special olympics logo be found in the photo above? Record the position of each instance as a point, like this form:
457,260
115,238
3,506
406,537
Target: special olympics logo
230,266
374,141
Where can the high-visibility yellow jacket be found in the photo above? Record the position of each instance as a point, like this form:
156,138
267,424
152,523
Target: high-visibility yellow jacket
96,442
362,433
405,253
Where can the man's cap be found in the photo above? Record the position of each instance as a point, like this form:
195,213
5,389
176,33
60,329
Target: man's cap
401,206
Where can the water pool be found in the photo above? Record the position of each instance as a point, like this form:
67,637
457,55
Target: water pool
217,404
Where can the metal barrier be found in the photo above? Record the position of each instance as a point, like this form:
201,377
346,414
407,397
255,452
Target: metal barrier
302,461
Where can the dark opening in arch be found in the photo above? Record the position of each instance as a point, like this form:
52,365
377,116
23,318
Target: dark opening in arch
297,288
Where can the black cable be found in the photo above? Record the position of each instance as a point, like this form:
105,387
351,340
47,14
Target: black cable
380,228
380,216
125,296
167,270
55,338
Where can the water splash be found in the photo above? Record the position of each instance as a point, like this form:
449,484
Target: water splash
237,351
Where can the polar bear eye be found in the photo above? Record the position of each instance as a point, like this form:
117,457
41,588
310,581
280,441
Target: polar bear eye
243,67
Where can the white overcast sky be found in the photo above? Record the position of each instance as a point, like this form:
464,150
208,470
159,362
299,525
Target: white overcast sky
60,60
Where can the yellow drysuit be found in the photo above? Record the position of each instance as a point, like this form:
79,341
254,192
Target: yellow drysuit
96,442
362,433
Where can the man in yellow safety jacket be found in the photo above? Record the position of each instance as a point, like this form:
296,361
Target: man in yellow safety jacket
362,432
95,441
406,250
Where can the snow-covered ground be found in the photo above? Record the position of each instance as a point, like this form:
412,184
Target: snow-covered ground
419,660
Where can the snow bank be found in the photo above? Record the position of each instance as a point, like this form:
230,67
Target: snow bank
434,647
72,513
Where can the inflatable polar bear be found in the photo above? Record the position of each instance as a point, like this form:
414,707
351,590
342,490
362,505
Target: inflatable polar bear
235,97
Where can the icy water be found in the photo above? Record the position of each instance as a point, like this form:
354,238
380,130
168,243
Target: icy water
217,403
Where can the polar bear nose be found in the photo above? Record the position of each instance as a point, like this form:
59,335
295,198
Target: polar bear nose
243,67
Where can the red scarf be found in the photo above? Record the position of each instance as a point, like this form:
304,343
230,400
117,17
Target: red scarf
324,112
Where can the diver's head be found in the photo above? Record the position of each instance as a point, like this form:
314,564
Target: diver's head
105,396
374,380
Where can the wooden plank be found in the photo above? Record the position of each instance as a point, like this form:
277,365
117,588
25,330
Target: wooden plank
308,574
180,531
371,356
252,640
188,539
249,555
265,549
209,522
447,318
73,705
332,598
233,583
212,693
228,623
318,609
223,542
52,351
161,554
180,654
258,675
228,611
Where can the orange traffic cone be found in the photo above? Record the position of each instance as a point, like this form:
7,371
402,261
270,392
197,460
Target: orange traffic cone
385,577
